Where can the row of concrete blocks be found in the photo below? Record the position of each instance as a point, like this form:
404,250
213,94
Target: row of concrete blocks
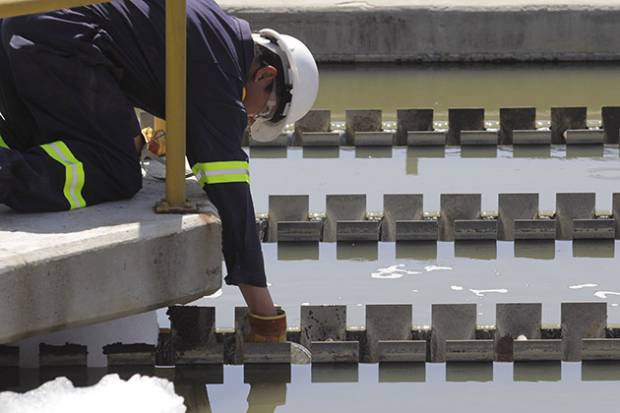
364,127
460,218
388,336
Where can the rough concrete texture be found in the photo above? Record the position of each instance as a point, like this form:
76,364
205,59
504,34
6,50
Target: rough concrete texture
335,352
340,208
286,208
362,120
537,350
320,139
193,335
132,359
570,206
417,230
426,138
579,321
611,123
357,230
534,229
443,30
266,353
469,350
563,119
511,207
317,120
451,322
594,228
470,119
386,322
401,351
399,207
511,119
323,322
457,206
475,229
514,320
584,137
531,137
478,138
299,231
616,212
373,139
104,262
409,120
600,349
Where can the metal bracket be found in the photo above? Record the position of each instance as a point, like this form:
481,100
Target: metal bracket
163,207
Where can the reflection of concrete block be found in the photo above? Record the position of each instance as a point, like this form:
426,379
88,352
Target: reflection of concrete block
386,322
531,137
563,119
357,230
417,230
323,322
341,208
584,136
299,231
362,120
401,351
286,208
611,123
600,349
512,207
281,141
616,212
535,229
537,350
426,138
193,335
511,119
412,120
478,138
320,139
254,353
571,206
463,119
373,139
457,206
475,229
62,355
335,352
9,356
581,320
317,120
451,322
594,228
399,207
469,350
119,354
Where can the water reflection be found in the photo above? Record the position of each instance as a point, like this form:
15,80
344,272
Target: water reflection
600,371
481,250
531,151
594,248
537,371
584,151
373,152
358,251
268,152
479,151
418,250
537,249
335,373
297,251
464,371
321,152
402,372
414,154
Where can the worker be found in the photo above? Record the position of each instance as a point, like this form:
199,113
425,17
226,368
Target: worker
69,83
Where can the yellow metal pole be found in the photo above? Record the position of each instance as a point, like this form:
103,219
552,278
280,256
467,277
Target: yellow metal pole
159,124
10,8
176,83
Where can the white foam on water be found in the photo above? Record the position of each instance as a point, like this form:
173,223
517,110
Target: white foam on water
614,305
216,294
111,394
415,291
603,294
481,293
430,268
456,288
580,286
392,272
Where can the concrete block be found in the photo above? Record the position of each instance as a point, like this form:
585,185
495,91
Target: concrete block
282,141
386,322
451,322
616,213
475,229
594,228
335,352
286,208
357,230
457,206
193,335
316,120
512,207
299,231
409,120
584,137
9,356
320,139
341,208
537,350
571,206
534,229
512,321
478,138
600,349
426,138
563,119
399,207
130,354
511,119
373,139
401,351
362,120
469,350
611,123
463,119
417,230
266,353
63,355
579,321
531,137
323,322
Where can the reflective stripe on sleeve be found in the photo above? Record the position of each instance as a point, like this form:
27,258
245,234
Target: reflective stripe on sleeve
3,144
74,172
221,172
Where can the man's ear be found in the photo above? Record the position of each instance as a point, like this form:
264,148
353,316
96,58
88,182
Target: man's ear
265,75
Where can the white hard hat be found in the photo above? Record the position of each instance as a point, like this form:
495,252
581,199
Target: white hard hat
301,83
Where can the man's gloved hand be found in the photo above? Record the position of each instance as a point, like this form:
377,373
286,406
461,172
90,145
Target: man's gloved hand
155,141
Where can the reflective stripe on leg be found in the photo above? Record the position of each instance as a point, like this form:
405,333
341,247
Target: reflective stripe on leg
221,172
74,172
3,144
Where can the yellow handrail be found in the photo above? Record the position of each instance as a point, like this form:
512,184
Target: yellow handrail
11,8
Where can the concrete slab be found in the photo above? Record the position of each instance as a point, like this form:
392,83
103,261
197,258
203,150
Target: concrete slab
362,120
120,354
386,322
357,230
62,355
475,229
193,335
571,206
451,322
511,119
299,231
286,208
469,350
563,119
534,229
320,139
514,321
409,120
470,119
399,207
457,206
579,321
616,212
531,137
611,123
316,120
335,352
426,138
598,228
512,207
600,349
136,261
417,230
267,353
340,208
537,350
373,138
584,137
401,351
323,322
479,138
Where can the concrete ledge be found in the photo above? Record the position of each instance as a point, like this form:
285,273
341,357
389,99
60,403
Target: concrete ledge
107,261
470,350
537,350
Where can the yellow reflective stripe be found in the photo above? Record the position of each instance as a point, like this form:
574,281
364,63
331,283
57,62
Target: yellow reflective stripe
221,172
3,144
216,166
225,179
74,172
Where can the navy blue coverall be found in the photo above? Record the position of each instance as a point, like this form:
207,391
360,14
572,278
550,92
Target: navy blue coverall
69,82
